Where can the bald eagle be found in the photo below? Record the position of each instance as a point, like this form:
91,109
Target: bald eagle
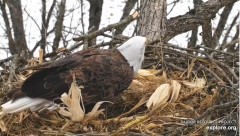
104,73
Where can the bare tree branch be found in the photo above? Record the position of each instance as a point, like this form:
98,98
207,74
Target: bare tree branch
126,11
222,22
45,23
207,34
110,27
82,22
229,30
50,13
232,47
194,17
216,107
34,20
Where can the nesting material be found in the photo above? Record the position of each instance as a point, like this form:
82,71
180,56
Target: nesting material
155,101
73,101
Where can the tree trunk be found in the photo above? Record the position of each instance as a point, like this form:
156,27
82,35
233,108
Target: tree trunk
15,9
194,36
152,22
59,25
11,43
95,14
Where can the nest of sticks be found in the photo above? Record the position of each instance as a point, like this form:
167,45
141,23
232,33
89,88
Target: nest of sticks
180,92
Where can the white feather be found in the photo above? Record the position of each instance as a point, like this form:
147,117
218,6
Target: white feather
133,50
26,103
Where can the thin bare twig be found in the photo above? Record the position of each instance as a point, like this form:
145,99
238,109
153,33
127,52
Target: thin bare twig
217,107
92,35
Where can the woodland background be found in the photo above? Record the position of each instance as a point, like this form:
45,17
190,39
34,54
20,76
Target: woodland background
202,40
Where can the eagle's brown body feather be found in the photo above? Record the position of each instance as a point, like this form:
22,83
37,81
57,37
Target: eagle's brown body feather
103,73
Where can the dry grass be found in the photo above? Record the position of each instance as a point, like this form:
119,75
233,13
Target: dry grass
131,116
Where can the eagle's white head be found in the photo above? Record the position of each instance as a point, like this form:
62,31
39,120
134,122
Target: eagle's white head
133,50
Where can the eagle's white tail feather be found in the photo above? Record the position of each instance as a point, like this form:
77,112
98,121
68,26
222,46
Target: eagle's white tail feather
21,104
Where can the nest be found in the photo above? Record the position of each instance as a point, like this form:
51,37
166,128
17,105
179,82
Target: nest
190,93
195,109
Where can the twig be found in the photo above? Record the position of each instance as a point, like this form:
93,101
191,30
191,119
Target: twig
6,60
35,66
229,70
92,35
229,44
33,20
223,52
220,69
210,71
139,120
216,107
112,42
229,30
75,46
118,37
174,66
13,66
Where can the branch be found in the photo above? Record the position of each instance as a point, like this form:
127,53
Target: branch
194,17
33,20
229,30
229,44
110,27
126,11
216,107
207,38
50,12
6,60
223,20
232,48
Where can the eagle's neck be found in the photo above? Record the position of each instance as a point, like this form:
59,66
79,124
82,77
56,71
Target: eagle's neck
133,50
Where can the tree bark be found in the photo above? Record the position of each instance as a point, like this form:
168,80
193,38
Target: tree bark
194,17
194,34
233,47
207,38
59,25
44,27
11,43
229,30
95,14
15,9
152,21
222,22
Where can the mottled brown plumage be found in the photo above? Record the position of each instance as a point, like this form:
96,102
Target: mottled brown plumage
103,73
